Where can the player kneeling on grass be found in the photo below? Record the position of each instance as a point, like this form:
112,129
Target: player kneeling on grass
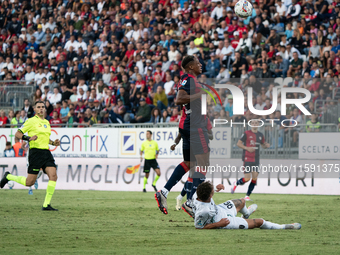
208,215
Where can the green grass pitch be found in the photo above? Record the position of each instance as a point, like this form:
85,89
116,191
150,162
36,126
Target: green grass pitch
97,222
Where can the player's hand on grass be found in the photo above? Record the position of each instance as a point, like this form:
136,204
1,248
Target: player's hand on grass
250,149
33,138
56,142
223,222
219,187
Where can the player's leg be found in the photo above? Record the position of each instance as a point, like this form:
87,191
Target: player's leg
158,174
51,172
252,183
145,180
32,169
180,170
263,224
200,149
146,170
185,191
200,172
243,180
240,205
36,185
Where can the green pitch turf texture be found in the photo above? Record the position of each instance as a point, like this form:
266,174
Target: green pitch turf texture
98,222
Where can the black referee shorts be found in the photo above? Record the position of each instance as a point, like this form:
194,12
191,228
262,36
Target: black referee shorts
150,163
37,159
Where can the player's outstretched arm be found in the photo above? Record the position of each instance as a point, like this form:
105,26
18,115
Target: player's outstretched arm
222,223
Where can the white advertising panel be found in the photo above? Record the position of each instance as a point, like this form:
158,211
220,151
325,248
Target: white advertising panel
75,142
319,145
110,175
130,141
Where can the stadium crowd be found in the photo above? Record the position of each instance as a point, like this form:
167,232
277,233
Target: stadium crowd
120,61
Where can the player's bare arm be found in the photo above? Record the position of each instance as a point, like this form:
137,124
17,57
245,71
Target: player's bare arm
242,146
265,145
219,187
222,223
56,142
184,98
177,140
210,135
21,136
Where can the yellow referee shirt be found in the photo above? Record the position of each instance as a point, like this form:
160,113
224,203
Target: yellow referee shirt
41,128
149,148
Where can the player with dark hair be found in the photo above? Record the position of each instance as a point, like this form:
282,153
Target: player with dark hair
193,131
208,215
39,156
250,142
150,149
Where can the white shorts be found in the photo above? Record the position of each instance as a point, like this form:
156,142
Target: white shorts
230,211
229,208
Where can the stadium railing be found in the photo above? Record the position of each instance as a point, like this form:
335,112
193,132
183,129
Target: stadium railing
328,109
63,125
336,93
136,125
282,144
13,93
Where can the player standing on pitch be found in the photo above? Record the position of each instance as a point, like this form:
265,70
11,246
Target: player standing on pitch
250,142
194,132
150,149
39,131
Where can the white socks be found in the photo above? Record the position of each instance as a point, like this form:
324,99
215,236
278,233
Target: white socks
180,197
245,211
271,225
165,192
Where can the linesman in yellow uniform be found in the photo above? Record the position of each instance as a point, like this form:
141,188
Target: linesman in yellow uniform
39,156
150,149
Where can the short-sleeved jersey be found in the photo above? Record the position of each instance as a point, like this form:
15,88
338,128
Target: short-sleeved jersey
41,128
150,148
251,139
207,213
194,119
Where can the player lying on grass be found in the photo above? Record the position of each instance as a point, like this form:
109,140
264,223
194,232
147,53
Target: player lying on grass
208,215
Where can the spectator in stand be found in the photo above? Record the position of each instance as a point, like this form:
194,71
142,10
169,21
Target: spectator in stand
64,111
143,114
175,115
95,119
3,118
17,147
160,99
295,65
15,120
55,121
9,152
155,115
28,108
56,97
165,118
313,125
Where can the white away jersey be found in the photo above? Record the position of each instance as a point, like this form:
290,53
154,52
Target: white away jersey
207,213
